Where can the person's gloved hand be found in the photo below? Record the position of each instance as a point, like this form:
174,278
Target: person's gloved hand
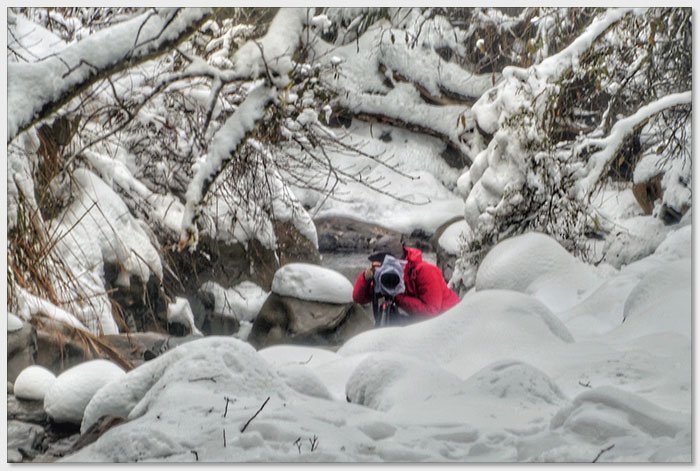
369,273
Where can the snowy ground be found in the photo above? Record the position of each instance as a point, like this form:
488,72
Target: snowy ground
515,372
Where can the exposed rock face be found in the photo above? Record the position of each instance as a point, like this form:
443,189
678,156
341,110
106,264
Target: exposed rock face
284,319
23,440
647,192
139,306
207,320
21,350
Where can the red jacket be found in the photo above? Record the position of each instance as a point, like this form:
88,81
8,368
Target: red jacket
426,293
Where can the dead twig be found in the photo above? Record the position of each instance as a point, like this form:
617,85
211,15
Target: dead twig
603,451
255,415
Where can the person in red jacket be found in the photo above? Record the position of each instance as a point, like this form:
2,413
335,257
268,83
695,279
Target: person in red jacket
426,294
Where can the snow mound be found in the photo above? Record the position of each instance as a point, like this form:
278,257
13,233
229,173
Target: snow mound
284,355
221,359
14,323
677,245
495,324
514,380
242,302
301,379
33,382
536,264
661,301
607,412
66,399
312,283
385,380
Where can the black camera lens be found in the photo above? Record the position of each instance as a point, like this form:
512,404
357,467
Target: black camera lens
390,280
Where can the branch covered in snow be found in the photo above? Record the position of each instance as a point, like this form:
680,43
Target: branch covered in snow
222,149
611,144
36,90
271,56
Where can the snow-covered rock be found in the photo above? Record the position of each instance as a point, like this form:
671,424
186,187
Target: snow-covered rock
66,399
450,240
242,302
312,283
180,312
536,264
33,383
14,323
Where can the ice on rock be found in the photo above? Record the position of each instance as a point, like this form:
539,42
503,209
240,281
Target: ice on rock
66,399
33,383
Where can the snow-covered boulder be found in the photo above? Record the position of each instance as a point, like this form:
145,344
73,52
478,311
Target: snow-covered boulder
33,382
312,283
284,319
536,264
309,304
225,311
66,399
180,314
14,323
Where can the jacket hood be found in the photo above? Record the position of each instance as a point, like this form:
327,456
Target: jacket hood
413,256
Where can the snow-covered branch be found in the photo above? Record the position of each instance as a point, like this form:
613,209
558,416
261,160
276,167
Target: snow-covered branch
613,142
222,149
271,56
36,90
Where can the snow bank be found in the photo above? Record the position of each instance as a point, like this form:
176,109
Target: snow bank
606,413
494,324
70,393
29,305
242,302
661,301
95,228
312,283
402,183
536,264
385,380
33,382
